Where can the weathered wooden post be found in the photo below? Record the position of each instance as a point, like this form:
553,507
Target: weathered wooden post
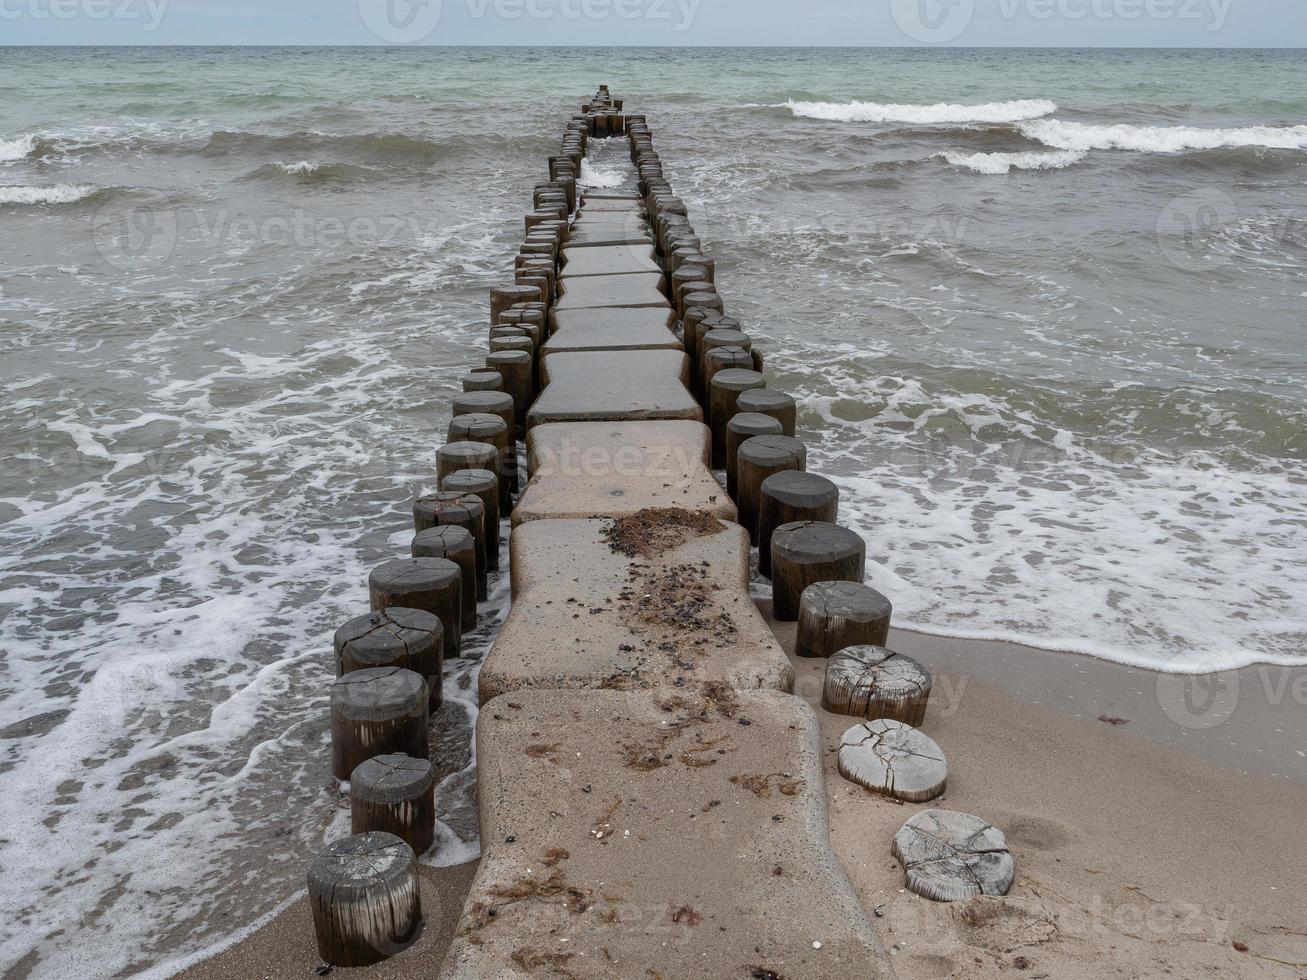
835,615
483,485
790,497
805,553
490,429
777,404
454,457
757,459
518,371
395,794
377,712
721,359
725,393
431,584
363,891
502,297
409,638
487,402
454,544
486,380
744,426
455,510
873,682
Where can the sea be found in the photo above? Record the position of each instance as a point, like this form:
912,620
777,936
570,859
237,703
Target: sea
1045,313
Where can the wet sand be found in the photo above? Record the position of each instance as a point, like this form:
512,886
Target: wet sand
1144,848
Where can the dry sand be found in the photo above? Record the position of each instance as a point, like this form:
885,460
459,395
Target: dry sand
1145,848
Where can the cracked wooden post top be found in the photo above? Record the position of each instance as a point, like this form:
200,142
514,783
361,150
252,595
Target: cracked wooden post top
808,552
875,682
835,615
458,545
394,637
894,760
374,712
363,892
949,856
395,794
434,585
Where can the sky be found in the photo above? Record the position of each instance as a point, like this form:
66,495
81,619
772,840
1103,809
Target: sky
1059,23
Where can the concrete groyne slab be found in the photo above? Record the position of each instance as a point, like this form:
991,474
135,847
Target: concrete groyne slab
612,469
602,386
609,260
627,289
613,329
652,601
678,834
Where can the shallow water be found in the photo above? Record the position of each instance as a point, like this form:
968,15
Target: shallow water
1044,311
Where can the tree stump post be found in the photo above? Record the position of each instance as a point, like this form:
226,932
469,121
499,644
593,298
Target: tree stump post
490,429
364,895
788,498
777,404
483,485
455,510
726,388
517,369
409,638
717,360
395,794
757,459
455,544
835,615
949,856
806,553
482,381
743,427
874,682
490,402
454,457
503,297
434,585
380,711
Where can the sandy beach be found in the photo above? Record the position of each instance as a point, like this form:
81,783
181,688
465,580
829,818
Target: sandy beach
1135,858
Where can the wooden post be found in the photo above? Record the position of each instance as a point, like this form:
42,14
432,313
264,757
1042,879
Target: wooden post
364,895
757,459
455,510
873,682
486,380
721,359
517,369
487,428
375,712
502,297
431,584
483,485
454,457
458,545
409,638
789,497
777,404
835,615
395,794
744,426
805,553
726,388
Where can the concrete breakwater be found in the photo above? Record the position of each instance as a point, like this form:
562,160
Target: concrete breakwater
651,792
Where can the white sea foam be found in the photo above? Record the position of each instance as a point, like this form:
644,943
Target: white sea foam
1082,137
939,113
1003,163
596,176
299,169
51,194
17,149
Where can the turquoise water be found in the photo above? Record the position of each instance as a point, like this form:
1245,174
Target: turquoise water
1044,310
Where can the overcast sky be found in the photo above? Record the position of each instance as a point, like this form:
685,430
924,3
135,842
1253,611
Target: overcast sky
1073,23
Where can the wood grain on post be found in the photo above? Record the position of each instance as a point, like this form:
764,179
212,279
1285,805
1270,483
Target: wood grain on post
456,544
484,427
949,856
755,460
777,404
455,510
486,380
483,485
488,402
703,298
874,682
413,639
835,615
502,297
377,712
743,427
788,498
454,457
395,794
725,393
805,553
894,760
518,371
363,891
721,359
431,584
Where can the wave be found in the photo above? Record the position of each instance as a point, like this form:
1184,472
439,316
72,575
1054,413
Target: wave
594,176
1083,137
309,171
302,145
17,149
52,194
940,113
1004,163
